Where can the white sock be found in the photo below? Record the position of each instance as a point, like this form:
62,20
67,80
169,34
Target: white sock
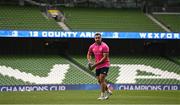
108,90
102,94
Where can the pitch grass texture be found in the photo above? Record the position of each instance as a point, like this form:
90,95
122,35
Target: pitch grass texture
90,97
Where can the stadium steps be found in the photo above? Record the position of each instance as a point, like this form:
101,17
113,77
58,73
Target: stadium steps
40,65
88,19
158,22
82,66
25,18
170,20
82,63
175,59
55,76
153,61
111,78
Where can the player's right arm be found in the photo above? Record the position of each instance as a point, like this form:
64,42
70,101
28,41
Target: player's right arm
89,55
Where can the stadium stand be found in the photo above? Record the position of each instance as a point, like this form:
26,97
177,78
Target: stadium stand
172,21
156,62
28,70
39,67
25,18
97,19
175,58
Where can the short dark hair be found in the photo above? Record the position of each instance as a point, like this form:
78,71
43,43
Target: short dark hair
98,34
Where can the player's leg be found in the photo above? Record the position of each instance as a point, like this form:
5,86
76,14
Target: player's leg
102,94
98,78
104,85
99,81
103,75
103,82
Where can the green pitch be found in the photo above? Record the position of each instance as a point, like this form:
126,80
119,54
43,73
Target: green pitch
90,97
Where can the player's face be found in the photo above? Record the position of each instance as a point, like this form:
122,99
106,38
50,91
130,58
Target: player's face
98,39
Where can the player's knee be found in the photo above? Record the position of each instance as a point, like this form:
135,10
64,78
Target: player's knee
102,80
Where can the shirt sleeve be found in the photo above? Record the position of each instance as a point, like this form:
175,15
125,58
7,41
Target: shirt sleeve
105,49
90,50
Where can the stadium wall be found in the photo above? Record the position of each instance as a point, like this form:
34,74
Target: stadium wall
80,46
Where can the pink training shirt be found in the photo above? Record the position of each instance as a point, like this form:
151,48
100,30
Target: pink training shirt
98,51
